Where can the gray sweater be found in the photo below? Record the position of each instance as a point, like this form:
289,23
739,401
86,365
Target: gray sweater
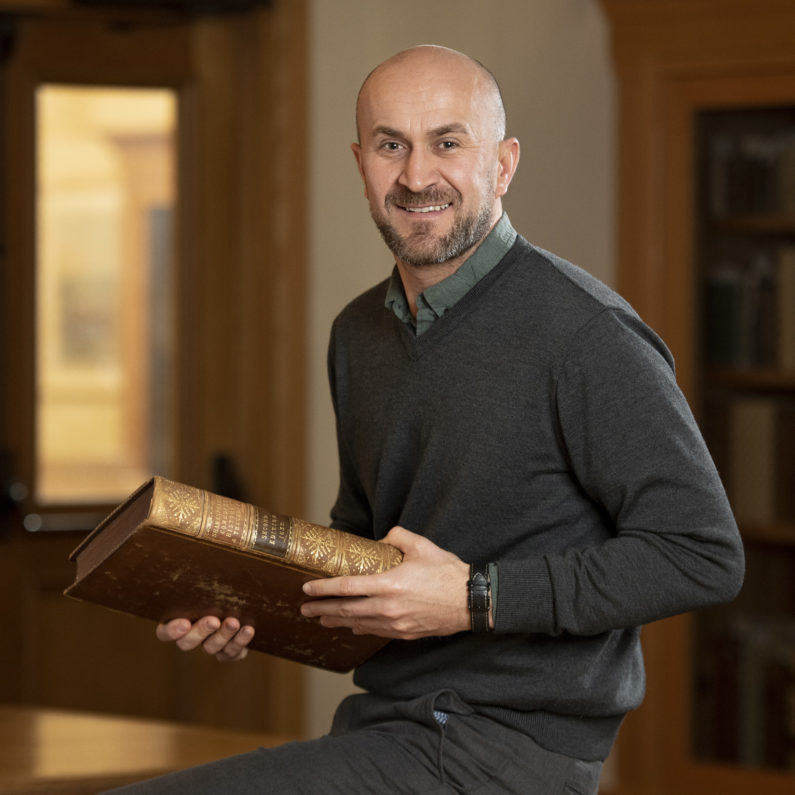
538,425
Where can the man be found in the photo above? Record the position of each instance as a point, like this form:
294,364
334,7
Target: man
513,427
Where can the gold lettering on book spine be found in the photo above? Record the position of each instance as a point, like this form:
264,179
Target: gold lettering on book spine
273,533
199,513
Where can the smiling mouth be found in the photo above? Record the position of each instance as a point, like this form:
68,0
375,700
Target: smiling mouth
433,208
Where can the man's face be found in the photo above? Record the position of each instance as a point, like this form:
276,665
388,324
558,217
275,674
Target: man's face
429,157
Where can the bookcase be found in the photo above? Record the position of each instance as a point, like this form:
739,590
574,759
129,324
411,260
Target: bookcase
744,654
706,253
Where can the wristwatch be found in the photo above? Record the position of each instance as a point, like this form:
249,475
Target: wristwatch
479,586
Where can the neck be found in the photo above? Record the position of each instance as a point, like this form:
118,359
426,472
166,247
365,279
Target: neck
416,279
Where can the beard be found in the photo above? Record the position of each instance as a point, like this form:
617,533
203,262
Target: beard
421,247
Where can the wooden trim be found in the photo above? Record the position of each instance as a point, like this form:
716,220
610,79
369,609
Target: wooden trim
16,277
680,12
244,189
245,119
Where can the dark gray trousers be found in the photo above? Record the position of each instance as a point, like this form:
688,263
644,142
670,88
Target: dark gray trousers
433,745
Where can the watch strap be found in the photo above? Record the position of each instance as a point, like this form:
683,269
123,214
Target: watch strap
479,586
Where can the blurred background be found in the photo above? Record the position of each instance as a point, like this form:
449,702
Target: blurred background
182,220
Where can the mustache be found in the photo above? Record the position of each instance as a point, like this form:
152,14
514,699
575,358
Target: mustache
403,197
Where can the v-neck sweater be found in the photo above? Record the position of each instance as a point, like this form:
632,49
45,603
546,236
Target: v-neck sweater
536,424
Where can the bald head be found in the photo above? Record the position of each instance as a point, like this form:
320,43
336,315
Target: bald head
436,68
433,155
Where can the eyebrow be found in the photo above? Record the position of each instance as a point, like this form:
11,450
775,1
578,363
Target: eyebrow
446,129
456,127
389,132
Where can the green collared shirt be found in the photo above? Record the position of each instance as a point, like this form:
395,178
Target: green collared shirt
437,299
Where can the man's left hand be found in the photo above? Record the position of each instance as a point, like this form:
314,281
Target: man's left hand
425,595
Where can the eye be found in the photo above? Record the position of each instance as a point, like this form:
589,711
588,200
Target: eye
448,146
391,146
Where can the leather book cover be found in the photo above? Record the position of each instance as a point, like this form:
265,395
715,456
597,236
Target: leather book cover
174,551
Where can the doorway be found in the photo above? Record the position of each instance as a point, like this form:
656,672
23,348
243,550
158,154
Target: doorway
153,325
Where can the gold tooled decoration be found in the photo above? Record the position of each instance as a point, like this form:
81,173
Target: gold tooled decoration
180,506
336,553
316,547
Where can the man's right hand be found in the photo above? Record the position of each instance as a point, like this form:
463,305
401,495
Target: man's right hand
226,640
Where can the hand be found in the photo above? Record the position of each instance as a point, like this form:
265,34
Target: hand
226,639
425,595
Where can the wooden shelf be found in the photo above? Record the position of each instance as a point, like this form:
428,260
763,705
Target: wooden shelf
780,533
752,380
777,224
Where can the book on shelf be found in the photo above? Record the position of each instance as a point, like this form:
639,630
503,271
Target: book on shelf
741,314
750,317
752,479
785,463
759,462
785,309
751,173
175,551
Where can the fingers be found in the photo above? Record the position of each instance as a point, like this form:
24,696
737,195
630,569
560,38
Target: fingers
196,635
230,641
366,616
362,585
226,639
425,595
339,612
173,630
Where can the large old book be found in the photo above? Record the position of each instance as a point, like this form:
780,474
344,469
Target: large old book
172,551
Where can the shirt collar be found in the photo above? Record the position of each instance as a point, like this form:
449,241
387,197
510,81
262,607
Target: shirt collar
437,299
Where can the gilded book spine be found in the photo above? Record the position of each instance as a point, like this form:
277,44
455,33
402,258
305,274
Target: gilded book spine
308,546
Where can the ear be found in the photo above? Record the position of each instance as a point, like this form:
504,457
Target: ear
357,153
508,158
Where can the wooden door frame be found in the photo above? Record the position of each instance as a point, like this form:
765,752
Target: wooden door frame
241,240
256,411
242,187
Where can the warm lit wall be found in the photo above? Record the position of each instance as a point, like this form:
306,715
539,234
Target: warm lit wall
551,58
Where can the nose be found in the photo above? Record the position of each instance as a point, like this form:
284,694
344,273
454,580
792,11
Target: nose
419,170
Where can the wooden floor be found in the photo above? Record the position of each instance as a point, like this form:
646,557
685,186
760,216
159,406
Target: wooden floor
50,752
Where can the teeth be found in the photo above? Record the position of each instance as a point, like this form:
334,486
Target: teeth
434,208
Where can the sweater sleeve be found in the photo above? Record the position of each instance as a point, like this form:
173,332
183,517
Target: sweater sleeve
636,451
